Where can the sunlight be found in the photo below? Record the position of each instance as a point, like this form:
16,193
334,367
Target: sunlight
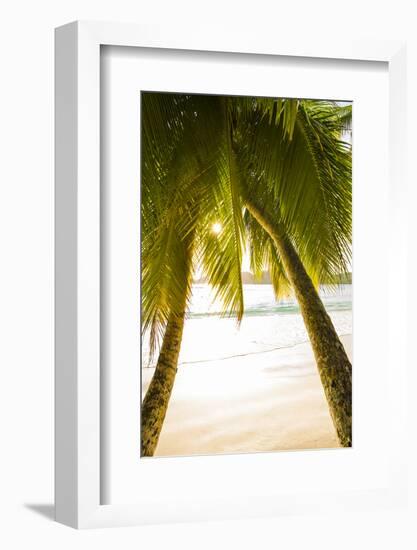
216,228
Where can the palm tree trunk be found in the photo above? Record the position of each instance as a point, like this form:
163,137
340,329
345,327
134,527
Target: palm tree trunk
333,364
155,404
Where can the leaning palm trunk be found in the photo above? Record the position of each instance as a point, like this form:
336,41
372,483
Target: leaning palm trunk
155,404
333,364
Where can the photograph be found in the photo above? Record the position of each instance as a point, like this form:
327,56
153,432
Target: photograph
246,274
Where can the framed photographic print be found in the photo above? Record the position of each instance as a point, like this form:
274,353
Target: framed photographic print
226,337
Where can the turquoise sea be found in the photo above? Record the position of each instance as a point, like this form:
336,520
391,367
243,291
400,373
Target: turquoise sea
268,325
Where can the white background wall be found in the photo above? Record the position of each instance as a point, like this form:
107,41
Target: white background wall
26,269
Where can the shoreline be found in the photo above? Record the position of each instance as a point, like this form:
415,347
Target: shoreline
241,405
253,353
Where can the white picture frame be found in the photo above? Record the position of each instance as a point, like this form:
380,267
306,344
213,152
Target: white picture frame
78,411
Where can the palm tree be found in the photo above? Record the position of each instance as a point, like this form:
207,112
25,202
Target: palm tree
188,184
157,397
281,159
333,364
300,196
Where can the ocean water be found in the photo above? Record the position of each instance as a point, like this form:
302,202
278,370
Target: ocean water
268,325
260,301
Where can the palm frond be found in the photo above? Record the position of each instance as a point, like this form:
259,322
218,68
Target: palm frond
305,181
264,256
188,185
202,156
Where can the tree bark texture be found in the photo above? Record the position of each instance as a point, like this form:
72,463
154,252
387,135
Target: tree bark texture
155,404
333,364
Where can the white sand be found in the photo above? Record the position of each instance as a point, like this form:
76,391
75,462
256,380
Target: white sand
268,402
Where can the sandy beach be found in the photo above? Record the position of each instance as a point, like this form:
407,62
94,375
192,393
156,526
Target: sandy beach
268,402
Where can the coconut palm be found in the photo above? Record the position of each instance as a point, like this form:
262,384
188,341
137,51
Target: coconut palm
188,184
299,193
204,159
